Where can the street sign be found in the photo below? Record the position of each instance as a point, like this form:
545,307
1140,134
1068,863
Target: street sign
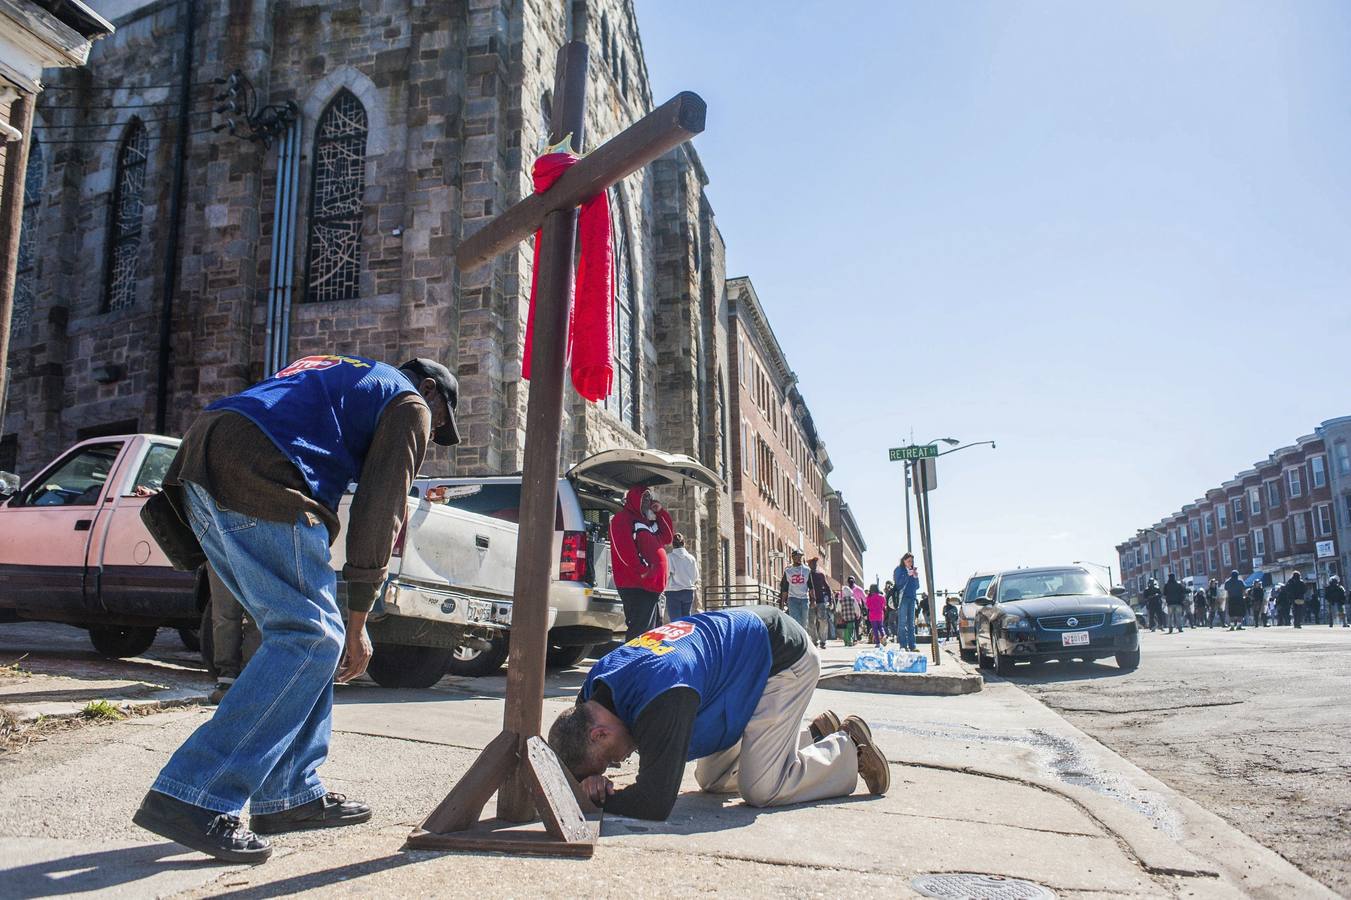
1326,549
926,475
916,451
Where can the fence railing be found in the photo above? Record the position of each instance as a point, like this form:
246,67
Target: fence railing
721,596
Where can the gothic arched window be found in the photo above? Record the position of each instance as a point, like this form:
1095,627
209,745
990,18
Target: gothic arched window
124,247
25,275
628,329
605,36
336,208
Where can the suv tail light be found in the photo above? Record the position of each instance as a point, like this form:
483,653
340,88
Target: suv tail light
572,564
398,541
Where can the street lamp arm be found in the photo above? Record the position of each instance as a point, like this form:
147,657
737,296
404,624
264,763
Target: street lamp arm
972,444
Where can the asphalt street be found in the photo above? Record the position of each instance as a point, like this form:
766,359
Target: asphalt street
1254,726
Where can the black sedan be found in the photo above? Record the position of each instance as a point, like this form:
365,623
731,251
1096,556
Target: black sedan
1061,612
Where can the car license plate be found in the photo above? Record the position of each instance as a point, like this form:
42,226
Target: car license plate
478,611
1074,638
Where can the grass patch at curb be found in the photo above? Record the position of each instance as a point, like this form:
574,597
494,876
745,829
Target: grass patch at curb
102,709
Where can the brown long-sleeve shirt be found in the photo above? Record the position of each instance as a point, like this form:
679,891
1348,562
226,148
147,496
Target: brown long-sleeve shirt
243,470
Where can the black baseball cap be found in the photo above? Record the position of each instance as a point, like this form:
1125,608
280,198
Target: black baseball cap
448,435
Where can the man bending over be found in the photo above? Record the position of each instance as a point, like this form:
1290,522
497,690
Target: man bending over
728,689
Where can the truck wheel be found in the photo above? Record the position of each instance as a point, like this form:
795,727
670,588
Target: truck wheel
399,666
190,638
562,657
206,640
121,641
477,663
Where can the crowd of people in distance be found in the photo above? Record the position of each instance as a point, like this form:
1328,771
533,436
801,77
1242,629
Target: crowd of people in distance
853,615
1234,604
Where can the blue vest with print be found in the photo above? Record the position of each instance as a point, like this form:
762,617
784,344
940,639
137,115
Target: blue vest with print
723,656
321,411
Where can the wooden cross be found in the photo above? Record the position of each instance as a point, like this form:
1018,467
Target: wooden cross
517,764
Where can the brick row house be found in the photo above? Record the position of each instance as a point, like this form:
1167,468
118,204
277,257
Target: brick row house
393,129
1289,512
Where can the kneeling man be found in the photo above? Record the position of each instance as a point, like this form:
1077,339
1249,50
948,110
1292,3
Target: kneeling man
728,689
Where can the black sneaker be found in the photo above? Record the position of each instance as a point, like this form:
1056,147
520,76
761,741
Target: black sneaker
213,833
329,811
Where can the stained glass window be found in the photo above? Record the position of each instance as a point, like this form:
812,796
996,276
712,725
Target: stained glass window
25,276
125,236
627,328
335,204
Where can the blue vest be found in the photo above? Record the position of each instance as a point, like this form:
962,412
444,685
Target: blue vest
321,411
723,656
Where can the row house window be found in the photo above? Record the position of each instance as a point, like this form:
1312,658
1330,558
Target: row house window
1296,484
1182,535
1195,527
1273,494
1210,561
1242,547
1259,542
1172,540
1324,514
1209,524
1254,501
1343,456
1225,555
1238,510
1347,509
1278,537
1318,472
1222,516
1198,563
1186,567
1301,530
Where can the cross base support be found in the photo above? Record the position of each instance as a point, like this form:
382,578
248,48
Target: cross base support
569,826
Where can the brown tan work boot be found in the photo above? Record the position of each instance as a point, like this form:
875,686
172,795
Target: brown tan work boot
872,765
825,724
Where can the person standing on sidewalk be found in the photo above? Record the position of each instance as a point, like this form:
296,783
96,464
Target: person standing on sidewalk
1294,594
820,597
877,606
1175,593
728,689
1257,603
1212,602
232,636
683,582
1153,598
639,534
1235,600
261,474
1336,597
907,584
1198,608
795,591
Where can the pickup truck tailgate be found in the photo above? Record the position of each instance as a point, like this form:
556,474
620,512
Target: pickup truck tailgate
444,547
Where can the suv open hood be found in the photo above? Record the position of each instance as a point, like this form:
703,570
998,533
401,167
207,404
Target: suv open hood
615,471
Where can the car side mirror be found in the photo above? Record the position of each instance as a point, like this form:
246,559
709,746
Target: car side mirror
1118,591
983,601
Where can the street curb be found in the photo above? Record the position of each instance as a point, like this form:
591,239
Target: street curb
930,685
130,707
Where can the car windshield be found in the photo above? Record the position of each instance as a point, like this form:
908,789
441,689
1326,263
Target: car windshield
1050,583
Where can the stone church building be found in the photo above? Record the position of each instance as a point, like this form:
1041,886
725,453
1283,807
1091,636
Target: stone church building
402,126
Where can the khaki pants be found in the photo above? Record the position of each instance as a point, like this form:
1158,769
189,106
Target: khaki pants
775,762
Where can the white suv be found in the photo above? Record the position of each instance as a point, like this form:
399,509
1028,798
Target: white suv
582,596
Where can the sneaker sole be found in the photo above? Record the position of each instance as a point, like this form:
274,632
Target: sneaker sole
826,724
195,842
308,824
880,764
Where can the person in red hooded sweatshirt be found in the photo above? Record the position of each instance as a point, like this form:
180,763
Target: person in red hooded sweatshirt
638,534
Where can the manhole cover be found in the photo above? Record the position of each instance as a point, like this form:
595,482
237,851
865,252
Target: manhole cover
970,886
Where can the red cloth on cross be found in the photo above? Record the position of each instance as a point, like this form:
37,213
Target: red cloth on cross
591,316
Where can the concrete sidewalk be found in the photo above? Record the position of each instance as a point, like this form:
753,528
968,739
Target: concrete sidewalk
990,782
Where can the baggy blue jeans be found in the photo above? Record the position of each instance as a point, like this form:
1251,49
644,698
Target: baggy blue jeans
905,624
799,611
271,731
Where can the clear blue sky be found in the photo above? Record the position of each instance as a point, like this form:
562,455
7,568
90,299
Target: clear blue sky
1115,237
